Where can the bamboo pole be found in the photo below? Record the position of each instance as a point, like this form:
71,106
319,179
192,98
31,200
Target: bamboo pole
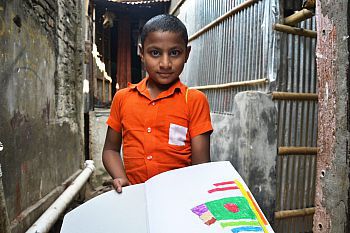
294,96
232,84
293,150
297,17
294,213
177,6
295,30
233,11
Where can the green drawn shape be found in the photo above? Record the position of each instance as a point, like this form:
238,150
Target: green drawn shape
219,211
239,223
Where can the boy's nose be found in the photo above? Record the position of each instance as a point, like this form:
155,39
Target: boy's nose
165,62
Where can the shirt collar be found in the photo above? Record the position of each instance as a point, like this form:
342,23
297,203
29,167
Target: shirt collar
142,88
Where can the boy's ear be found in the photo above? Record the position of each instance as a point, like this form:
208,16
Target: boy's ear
188,50
141,51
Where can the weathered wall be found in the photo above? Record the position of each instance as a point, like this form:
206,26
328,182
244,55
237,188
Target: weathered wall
97,135
333,158
248,139
40,101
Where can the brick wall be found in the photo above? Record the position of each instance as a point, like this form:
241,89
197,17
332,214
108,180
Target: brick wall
41,102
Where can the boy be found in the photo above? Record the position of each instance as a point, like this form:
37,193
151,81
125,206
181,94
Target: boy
162,124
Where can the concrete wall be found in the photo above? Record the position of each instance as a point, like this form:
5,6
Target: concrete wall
41,126
97,135
248,139
332,198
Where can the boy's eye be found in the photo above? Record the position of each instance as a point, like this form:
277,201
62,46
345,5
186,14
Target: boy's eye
174,53
155,53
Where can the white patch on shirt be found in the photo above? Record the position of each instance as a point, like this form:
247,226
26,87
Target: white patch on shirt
177,135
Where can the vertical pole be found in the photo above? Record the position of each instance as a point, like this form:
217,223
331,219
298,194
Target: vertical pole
93,66
333,159
123,53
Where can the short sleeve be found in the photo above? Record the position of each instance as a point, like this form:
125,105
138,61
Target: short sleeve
199,111
114,119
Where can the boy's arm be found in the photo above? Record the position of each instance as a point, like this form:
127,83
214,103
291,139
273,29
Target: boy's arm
201,148
112,161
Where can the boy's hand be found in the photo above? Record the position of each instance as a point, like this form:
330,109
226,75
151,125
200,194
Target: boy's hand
118,183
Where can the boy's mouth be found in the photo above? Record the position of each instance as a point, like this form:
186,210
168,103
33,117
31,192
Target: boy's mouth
165,73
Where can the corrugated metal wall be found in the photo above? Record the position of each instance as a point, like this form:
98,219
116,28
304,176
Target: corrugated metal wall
243,47
297,127
238,49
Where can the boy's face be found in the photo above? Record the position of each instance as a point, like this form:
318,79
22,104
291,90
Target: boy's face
164,55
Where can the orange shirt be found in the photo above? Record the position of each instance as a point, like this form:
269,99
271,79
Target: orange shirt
157,133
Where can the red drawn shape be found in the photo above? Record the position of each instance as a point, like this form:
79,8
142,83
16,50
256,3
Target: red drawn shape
231,207
222,189
210,221
224,183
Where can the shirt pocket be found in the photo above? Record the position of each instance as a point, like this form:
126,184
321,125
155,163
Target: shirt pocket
177,135
177,138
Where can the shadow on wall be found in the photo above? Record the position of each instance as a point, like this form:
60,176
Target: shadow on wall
248,139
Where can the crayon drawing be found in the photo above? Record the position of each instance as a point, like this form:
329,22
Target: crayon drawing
238,213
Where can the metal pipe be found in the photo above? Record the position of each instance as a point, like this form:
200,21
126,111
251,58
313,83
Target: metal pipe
26,214
50,216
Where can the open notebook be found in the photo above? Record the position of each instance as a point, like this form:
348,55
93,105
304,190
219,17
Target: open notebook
210,197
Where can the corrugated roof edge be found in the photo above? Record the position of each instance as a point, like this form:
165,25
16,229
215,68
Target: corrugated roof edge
138,2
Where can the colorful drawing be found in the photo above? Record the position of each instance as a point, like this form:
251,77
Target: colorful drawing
239,213
232,187
203,212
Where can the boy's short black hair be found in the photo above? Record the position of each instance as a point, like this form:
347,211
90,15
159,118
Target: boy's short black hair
164,23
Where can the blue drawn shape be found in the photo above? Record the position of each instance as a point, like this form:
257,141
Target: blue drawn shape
247,228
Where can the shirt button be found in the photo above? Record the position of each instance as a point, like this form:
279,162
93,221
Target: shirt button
150,157
153,103
149,129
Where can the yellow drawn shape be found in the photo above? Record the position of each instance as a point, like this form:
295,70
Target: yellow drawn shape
206,216
244,192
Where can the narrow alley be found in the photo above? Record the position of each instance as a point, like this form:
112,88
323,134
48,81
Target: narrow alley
275,73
